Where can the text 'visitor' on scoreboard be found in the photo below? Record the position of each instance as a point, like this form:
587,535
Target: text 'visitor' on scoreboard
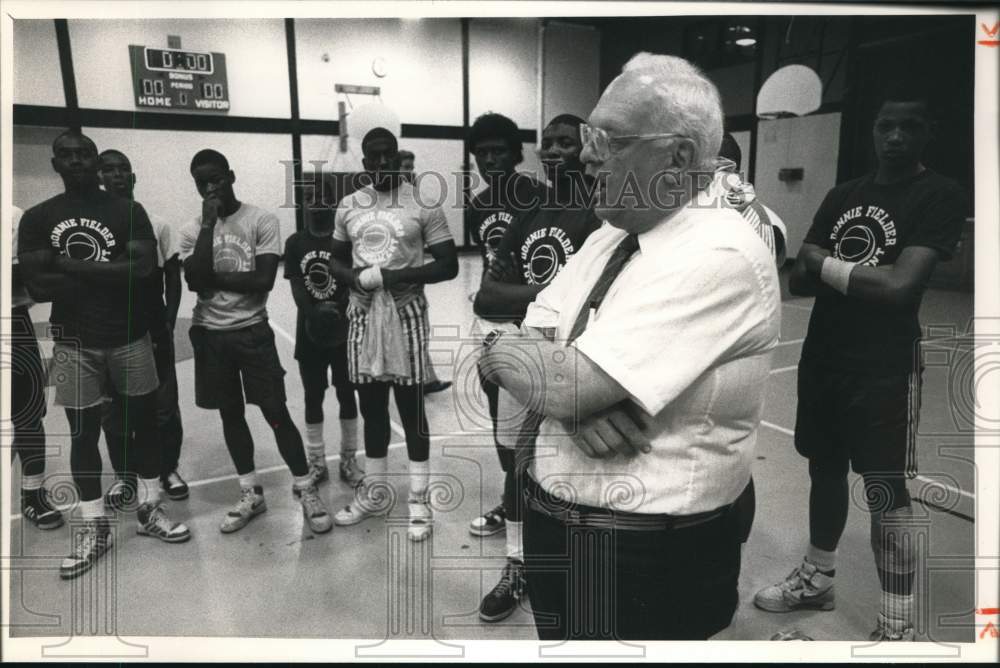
179,79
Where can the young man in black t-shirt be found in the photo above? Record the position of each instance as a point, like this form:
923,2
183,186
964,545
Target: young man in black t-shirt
533,250
321,341
495,142
867,258
87,252
162,302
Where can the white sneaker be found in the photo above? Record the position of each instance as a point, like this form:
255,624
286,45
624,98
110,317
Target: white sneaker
370,500
313,509
421,518
251,504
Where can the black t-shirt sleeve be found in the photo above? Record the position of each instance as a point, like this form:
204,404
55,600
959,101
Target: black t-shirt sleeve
31,233
142,229
292,257
940,215
823,221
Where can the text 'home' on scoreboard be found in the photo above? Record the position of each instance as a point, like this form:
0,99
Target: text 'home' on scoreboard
179,79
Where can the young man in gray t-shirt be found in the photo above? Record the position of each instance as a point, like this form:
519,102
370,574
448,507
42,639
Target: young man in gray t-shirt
230,255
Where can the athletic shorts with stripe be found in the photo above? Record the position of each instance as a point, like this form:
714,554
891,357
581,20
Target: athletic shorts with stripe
866,420
416,332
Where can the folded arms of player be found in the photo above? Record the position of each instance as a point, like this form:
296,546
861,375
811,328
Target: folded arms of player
444,267
897,285
501,296
46,274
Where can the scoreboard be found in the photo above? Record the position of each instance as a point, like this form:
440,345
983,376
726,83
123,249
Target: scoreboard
179,79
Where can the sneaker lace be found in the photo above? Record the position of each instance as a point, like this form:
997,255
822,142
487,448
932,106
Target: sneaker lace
507,580
86,539
312,503
497,513
158,518
245,504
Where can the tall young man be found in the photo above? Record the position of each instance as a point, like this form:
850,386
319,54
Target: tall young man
117,177
531,253
495,141
382,230
87,251
867,258
230,255
27,405
321,341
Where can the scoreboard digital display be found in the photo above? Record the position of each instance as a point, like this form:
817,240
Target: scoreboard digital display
179,79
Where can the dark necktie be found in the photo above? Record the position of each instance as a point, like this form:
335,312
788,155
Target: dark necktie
625,250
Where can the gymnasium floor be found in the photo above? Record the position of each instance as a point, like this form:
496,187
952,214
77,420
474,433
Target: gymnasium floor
275,579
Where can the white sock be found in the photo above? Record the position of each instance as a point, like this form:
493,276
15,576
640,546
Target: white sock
91,510
149,490
897,610
822,559
301,482
249,481
30,483
420,477
515,548
348,437
314,434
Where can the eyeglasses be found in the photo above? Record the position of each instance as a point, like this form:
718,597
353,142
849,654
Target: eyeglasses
599,142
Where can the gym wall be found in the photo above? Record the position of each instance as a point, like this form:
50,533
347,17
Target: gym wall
422,84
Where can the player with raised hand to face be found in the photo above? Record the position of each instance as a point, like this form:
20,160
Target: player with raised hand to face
230,255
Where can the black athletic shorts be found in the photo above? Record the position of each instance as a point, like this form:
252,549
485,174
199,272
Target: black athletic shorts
320,368
228,363
27,374
867,420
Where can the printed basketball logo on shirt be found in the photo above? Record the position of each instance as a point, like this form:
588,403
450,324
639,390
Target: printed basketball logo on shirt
378,235
83,239
232,254
315,266
543,254
863,235
492,229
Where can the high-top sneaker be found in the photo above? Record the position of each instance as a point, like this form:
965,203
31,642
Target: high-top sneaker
313,509
90,542
37,509
250,505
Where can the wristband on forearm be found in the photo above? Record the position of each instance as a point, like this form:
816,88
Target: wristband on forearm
836,274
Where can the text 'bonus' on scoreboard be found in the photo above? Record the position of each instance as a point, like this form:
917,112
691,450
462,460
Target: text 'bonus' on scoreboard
179,79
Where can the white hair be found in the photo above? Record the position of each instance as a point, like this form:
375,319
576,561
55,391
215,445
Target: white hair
689,102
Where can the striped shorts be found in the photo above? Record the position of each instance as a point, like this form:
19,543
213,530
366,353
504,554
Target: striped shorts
868,420
416,333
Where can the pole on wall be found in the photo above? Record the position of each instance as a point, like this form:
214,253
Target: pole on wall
293,97
68,75
466,165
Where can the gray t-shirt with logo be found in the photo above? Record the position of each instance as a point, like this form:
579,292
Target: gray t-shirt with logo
239,240
390,230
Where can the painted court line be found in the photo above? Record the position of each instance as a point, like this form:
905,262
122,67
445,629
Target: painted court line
921,478
784,369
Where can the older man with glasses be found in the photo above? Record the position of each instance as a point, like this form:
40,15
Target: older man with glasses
651,346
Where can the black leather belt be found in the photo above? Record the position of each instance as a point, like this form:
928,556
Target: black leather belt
577,514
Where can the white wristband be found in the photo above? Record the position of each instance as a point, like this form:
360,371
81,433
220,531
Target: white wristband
836,274
370,278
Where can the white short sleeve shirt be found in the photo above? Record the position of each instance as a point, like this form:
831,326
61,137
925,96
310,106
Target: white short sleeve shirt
687,329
